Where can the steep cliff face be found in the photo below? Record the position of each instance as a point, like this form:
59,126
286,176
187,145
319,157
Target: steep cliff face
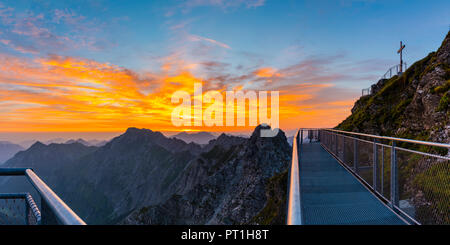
413,105
238,184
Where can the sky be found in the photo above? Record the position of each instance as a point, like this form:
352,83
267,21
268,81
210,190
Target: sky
103,66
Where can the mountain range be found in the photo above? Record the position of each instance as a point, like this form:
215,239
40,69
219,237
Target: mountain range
142,168
87,143
201,138
242,181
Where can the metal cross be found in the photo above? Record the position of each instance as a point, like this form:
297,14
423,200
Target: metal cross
400,51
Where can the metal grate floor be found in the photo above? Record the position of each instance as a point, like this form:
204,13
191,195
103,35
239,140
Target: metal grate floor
330,195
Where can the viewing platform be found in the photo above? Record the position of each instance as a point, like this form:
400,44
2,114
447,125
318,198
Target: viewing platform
347,178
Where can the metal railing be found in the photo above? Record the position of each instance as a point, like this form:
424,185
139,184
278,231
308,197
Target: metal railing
413,183
366,91
395,70
15,205
53,210
294,211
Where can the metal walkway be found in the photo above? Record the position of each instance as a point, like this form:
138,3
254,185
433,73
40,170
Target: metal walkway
331,195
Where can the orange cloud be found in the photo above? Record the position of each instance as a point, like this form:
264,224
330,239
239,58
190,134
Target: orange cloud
267,72
73,94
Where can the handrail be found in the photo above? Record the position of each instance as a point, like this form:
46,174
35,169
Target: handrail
13,171
63,213
376,141
387,75
392,138
294,213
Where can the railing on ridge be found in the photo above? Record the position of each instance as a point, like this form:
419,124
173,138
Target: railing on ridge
395,70
20,208
413,183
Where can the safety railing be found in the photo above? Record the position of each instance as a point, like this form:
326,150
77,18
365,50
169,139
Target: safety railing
393,71
19,209
412,182
294,211
53,210
366,91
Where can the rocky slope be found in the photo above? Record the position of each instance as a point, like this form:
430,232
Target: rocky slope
240,184
414,105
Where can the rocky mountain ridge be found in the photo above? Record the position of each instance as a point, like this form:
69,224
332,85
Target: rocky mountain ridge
137,169
227,185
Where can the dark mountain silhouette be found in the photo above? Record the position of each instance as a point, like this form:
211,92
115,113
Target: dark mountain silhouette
87,142
46,160
198,137
244,183
143,168
81,141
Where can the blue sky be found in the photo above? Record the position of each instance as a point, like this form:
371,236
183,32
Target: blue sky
134,34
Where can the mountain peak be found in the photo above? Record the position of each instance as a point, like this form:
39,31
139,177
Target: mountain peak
196,137
37,145
257,132
413,104
133,130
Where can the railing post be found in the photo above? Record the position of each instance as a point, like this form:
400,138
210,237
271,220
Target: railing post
394,176
355,155
27,212
343,149
319,132
336,144
382,170
375,165
301,136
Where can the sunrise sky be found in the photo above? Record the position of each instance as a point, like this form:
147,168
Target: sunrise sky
104,66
